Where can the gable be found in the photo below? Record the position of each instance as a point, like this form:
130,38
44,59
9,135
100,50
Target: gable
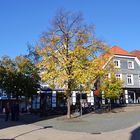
136,53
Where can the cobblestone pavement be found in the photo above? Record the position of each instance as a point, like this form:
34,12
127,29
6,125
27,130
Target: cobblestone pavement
94,123
107,126
33,132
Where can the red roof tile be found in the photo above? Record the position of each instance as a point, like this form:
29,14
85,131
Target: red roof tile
115,50
119,51
136,53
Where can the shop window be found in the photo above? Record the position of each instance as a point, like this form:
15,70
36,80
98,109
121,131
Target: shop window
61,100
48,101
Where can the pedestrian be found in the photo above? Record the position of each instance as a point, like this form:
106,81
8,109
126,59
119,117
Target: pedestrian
7,111
16,109
13,111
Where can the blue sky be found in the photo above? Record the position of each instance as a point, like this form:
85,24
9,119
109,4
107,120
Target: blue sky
22,21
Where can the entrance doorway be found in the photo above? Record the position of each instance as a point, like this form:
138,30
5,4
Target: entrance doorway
132,97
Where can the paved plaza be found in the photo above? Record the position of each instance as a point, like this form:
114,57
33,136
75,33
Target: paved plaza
107,126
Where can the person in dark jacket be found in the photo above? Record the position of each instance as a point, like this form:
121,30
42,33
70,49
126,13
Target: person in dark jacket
7,111
13,111
16,109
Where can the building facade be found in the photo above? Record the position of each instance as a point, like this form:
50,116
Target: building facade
51,101
128,66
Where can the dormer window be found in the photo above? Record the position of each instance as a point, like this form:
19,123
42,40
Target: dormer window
117,63
130,64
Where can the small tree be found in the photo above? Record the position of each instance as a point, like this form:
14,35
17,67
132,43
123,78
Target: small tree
111,86
68,54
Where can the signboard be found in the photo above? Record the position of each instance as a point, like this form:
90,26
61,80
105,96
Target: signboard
54,99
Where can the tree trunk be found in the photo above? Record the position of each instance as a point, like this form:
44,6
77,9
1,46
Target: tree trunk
68,108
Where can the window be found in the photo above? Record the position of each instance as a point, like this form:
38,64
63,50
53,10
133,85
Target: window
61,99
139,79
119,76
130,64
130,79
108,75
117,63
48,101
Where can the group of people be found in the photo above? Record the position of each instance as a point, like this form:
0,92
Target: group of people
13,109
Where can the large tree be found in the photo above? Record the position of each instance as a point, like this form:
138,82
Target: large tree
18,77
68,54
27,76
7,74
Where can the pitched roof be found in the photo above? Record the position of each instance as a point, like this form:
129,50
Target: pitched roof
136,53
116,50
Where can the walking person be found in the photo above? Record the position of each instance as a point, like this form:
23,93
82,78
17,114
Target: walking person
7,111
13,111
16,109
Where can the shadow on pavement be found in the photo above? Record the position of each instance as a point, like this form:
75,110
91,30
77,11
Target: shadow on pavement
7,139
23,119
135,134
30,132
6,124
31,118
